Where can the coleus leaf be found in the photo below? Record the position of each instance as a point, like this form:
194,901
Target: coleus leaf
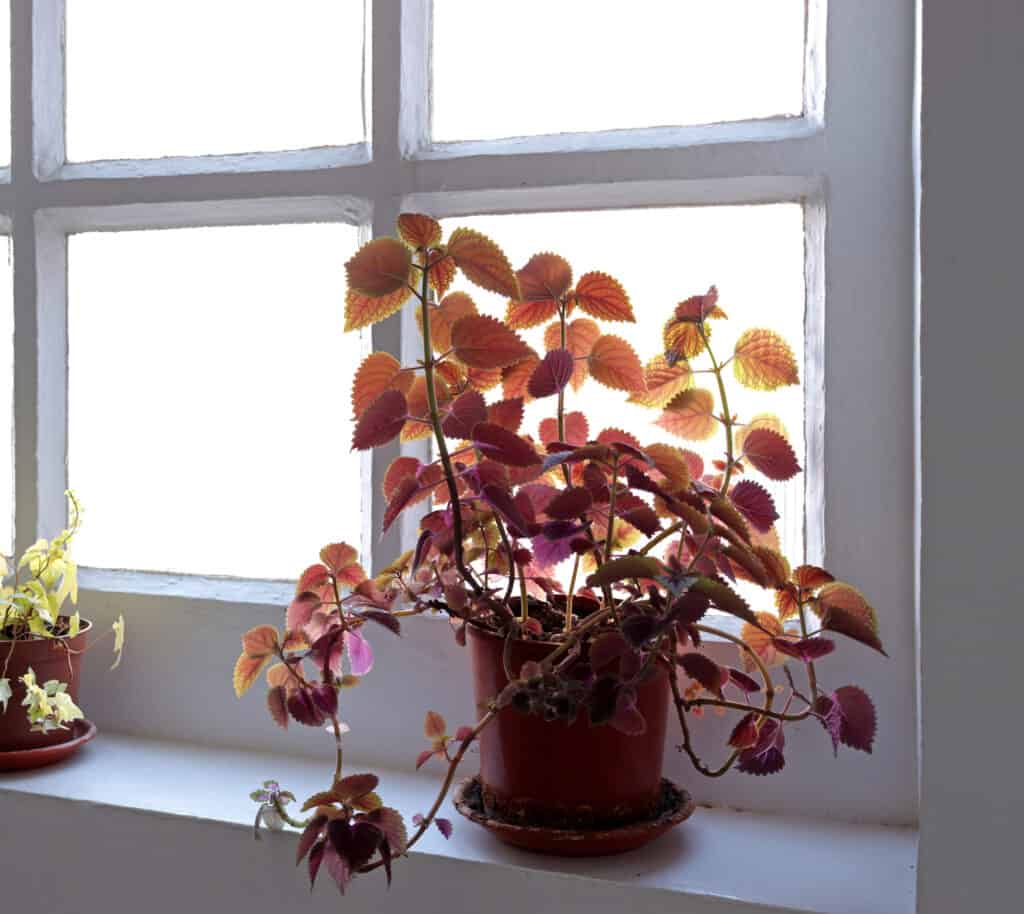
628,718
576,429
704,670
551,375
382,421
627,566
725,598
515,379
343,562
690,415
444,316
755,504
765,757
762,420
672,463
363,310
743,682
644,518
378,372
276,704
569,503
506,413
444,826
580,336
664,383
698,308
383,618
400,500
811,577
614,364
849,716
542,283
309,836
771,454
763,361
504,446
466,412
481,341
440,272
682,339
419,231
603,297
806,649
722,508
744,734
379,267
502,501
483,262
845,610
400,468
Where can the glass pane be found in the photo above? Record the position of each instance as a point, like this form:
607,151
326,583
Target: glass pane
5,82
191,77
6,399
542,67
209,398
754,254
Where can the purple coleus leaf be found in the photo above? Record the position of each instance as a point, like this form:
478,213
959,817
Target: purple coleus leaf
360,654
444,826
305,710
382,617
309,837
551,375
627,717
502,501
742,681
755,504
848,714
465,414
765,757
806,649
547,553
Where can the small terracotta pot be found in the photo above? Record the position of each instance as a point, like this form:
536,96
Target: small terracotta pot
49,658
564,775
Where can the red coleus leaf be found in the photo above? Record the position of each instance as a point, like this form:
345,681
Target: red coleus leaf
506,413
576,429
744,734
434,727
483,262
485,342
465,413
309,836
378,372
742,681
379,267
313,577
704,670
400,500
276,703
614,364
771,454
765,757
603,297
355,842
301,610
382,421
811,577
755,504
846,611
399,469
542,283
516,378
571,502
580,337
500,444
304,709
806,649
551,375
698,308
444,316
343,561
644,518
849,716
503,502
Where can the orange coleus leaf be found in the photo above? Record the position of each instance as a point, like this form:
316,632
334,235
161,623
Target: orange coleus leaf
761,641
419,231
682,339
434,727
247,670
516,378
506,413
761,420
690,415
441,272
485,342
260,641
671,463
603,297
580,336
483,262
776,564
382,421
397,470
614,364
576,429
542,283
417,404
771,454
378,372
379,267
811,577
763,361
787,602
443,316
343,561
664,382
362,310
483,379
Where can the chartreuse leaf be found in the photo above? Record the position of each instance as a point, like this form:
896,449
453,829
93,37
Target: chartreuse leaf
119,642
627,566
5,693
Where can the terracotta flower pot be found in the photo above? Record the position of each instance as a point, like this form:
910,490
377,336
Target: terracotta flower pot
49,658
564,775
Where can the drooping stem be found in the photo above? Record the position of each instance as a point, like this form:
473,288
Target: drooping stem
442,445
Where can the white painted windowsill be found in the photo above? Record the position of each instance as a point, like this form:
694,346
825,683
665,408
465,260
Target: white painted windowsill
720,860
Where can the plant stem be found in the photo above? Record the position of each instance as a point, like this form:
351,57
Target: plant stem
442,445
561,390
727,415
338,750
571,593
524,606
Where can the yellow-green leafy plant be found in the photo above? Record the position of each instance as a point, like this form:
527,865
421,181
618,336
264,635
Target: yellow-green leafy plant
33,604
651,539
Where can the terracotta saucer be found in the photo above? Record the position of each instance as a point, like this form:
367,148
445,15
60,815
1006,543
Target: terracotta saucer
677,806
81,732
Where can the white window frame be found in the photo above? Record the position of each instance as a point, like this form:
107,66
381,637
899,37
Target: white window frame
847,159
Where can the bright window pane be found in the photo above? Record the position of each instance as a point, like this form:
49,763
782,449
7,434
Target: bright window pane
193,77
5,82
754,254
209,416
536,66
6,399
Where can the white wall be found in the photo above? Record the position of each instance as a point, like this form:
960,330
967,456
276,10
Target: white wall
972,333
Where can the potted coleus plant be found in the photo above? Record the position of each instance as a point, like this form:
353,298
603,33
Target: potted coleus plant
41,647
582,567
